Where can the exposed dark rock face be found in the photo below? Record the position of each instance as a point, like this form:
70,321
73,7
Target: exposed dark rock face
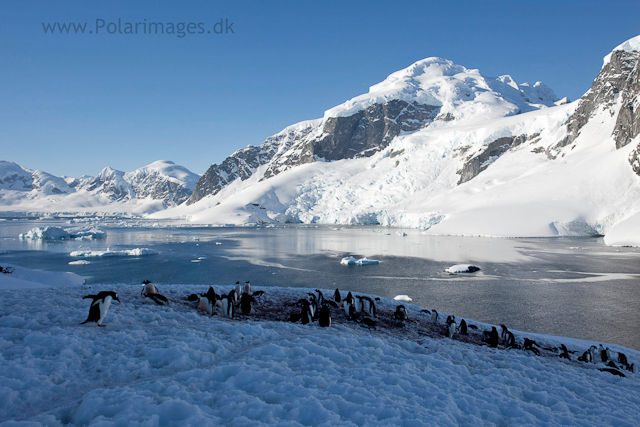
359,135
243,163
628,121
477,162
618,78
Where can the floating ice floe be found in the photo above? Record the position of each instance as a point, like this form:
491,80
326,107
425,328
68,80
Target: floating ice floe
124,252
57,233
405,298
80,262
349,260
462,268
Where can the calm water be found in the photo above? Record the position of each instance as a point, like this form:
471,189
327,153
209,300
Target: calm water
572,286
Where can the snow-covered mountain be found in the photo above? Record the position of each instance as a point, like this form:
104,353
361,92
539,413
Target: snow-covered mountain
430,91
156,186
443,148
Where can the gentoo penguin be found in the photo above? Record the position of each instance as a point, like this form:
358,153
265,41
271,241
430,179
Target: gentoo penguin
305,314
451,326
148,288
246,301
434,316
401,313
504,332
233,297
492,338
227,304
586,357
613,371
510,342
529,346
565,352
462,329
324,318
258,293
357,304
622,358
100,306
238,291
313,305
319,298
605,353
336,296
247,288
368,306
157,298
208,301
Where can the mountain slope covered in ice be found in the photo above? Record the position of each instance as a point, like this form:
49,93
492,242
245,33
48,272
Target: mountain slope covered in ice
156,186
441,147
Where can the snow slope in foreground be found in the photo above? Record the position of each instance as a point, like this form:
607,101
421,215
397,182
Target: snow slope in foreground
168,365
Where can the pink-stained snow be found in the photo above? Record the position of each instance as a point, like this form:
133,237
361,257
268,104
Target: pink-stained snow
169,365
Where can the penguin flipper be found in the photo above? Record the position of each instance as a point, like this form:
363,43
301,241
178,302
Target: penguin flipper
90,297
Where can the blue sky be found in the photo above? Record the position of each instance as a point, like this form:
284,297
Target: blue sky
73,104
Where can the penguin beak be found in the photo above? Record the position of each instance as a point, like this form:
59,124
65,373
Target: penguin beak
117,299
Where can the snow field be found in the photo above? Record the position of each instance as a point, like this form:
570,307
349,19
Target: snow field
168,365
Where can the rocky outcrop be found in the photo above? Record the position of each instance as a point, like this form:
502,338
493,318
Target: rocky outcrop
617,79
477,162
359,135
244,163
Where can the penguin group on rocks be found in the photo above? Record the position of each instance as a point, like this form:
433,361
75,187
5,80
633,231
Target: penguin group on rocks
362,310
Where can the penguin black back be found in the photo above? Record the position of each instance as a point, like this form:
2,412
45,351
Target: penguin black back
463,327
337,297
246,301
324,317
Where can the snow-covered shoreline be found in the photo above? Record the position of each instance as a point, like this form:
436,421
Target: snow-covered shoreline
169,365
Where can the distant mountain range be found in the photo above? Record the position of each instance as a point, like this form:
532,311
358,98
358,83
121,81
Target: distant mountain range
435,146
157,186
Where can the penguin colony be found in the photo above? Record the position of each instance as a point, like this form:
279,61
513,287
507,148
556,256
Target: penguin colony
362,310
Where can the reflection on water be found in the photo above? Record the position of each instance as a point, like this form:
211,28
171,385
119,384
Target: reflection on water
572,286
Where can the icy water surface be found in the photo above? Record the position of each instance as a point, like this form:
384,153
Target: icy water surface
574,287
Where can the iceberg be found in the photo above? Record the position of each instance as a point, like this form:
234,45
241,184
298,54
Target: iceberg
462,268
57,233
108,252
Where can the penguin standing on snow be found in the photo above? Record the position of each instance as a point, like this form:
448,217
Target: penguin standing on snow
208,301
324,317
492,338
337,297
368,306
434,316
246,301
401,313
100,306
462,329
247,288
306,315
319,298
451,326
227,304
238,291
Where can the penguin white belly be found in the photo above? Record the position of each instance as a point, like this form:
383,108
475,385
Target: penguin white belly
104,308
